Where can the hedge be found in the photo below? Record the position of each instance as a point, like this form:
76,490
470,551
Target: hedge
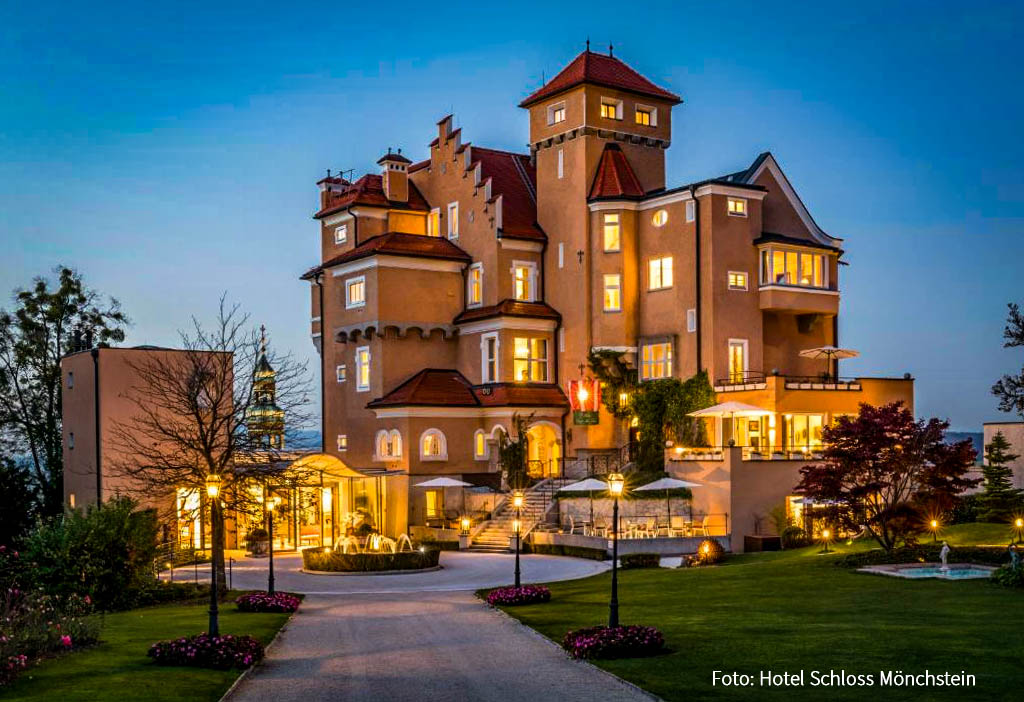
640,560
594,554
982,555
439,545
335,562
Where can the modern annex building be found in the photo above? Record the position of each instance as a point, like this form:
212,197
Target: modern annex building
459,290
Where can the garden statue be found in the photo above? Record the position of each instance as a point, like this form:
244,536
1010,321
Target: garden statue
1014,557
944,555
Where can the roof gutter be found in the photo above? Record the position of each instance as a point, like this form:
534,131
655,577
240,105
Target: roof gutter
697,277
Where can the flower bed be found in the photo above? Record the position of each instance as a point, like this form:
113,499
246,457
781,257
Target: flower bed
205,651
513,596
336,562
618,642
266,602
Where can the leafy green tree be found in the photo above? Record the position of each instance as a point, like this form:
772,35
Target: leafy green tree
17,502
34,336
1000,501
1010,388
662,408
513,451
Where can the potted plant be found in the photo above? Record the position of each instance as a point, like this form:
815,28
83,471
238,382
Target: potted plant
257,542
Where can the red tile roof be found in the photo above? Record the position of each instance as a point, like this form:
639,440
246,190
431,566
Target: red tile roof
614,177
369,190
397,244
600,69
515,178
508,308
436,387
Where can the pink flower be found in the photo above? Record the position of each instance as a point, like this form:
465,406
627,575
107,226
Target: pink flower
66,641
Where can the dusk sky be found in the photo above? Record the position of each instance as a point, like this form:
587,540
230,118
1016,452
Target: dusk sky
169,150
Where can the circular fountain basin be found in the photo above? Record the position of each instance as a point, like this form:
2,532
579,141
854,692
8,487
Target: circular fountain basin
918,571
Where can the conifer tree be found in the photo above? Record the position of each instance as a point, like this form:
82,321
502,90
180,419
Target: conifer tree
1000,500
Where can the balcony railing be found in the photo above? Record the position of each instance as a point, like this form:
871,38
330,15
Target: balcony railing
822,381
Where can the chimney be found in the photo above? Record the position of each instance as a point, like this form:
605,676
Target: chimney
395,175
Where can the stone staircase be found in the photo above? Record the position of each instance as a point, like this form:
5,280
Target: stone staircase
496,532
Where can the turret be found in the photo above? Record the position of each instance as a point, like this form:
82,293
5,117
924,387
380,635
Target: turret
395,175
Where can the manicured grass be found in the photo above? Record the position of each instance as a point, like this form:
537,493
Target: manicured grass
118,669
796,611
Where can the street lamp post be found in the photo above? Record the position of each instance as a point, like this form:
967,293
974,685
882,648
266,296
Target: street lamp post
1018,524
213,482
517,527
615,485
825,536
274,502
934,524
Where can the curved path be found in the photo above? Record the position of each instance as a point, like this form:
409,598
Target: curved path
417,637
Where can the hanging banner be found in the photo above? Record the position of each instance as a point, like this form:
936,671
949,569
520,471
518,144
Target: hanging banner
585,400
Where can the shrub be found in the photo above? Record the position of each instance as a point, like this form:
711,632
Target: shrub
965,511
794,537
266,602
1008,576
336,562
595,554
512,596
205,651
431,543
164,592
640,560
983,555
617,642
709,552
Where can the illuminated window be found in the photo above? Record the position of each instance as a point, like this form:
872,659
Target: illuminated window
489,358
645,116
362,368
341,373
611,108
612,292
433,446
780,266
691,210
453,220
342,442
480,449
435,504
434,222
659,273
737,280
341,234
556,113
656,361
803,431
355,292
524,274
737,206
530,360
612,233
475,285
737,360
660,218
388,445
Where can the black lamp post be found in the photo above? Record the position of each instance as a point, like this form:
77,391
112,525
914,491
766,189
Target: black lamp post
1018,525
274,502
213,492
517,526
934,524
615,484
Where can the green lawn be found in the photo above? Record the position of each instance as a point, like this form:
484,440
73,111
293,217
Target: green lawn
118,669
796,611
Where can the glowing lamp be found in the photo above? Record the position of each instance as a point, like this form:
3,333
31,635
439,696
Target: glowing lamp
275,501
582,394
623,398
826,534
326,550
465,523
706,549
168,565
516,526
935,524
517,499
423,549
615,483
1019,523
679,450
213,484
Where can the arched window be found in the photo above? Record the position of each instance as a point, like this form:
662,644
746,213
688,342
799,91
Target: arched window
660,218
382,445
480,448
433,446
396,443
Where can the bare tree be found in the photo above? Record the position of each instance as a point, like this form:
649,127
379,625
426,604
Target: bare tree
208,410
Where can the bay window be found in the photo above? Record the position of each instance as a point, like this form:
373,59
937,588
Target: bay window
784,266
530,360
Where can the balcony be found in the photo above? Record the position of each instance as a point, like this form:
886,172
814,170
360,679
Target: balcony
755,380
798,299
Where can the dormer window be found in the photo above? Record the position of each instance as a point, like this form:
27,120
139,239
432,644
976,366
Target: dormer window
611,108
556,113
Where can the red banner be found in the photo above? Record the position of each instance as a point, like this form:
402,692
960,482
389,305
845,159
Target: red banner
585,395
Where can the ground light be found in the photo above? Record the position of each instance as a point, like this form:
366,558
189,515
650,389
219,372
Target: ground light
465,523
934,526
826,535
615,484
1018,526
213,481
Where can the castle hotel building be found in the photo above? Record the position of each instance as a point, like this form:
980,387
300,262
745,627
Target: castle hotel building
462,289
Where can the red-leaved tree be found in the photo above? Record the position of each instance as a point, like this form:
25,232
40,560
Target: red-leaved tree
887,471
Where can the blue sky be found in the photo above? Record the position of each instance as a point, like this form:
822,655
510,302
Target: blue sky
170,151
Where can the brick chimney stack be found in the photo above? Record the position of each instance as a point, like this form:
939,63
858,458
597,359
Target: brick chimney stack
395,175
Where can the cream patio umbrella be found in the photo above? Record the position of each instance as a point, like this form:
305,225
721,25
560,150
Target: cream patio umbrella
667,484
731,410
447,483
829,353
590,485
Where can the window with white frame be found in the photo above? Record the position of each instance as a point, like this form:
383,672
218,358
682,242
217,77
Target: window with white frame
524,274
691,320
737,280
561,164
691,210
660,218
530,360
561,255
656,360
343,442
612,232
355,292
362,368
489,358
646,116
803,432
480,448
341,373
475,285
341,234
433,446
737,360
612,292
611,108
434,222
556,113
783,266
453,220
737,206
659,273
387,445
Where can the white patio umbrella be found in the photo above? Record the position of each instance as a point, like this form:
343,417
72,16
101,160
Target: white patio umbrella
667,484
447,483
829,353
590,485
731,410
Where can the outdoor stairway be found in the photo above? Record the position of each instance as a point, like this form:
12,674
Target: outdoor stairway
495,535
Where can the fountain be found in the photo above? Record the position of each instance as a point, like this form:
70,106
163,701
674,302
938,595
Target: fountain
344,544
404,543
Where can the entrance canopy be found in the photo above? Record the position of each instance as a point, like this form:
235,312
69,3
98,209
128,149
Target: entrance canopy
328,464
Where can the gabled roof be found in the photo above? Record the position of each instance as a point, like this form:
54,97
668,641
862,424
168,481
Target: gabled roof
440,387
515,178
599,69
397,244
508,308
614,177
369,190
